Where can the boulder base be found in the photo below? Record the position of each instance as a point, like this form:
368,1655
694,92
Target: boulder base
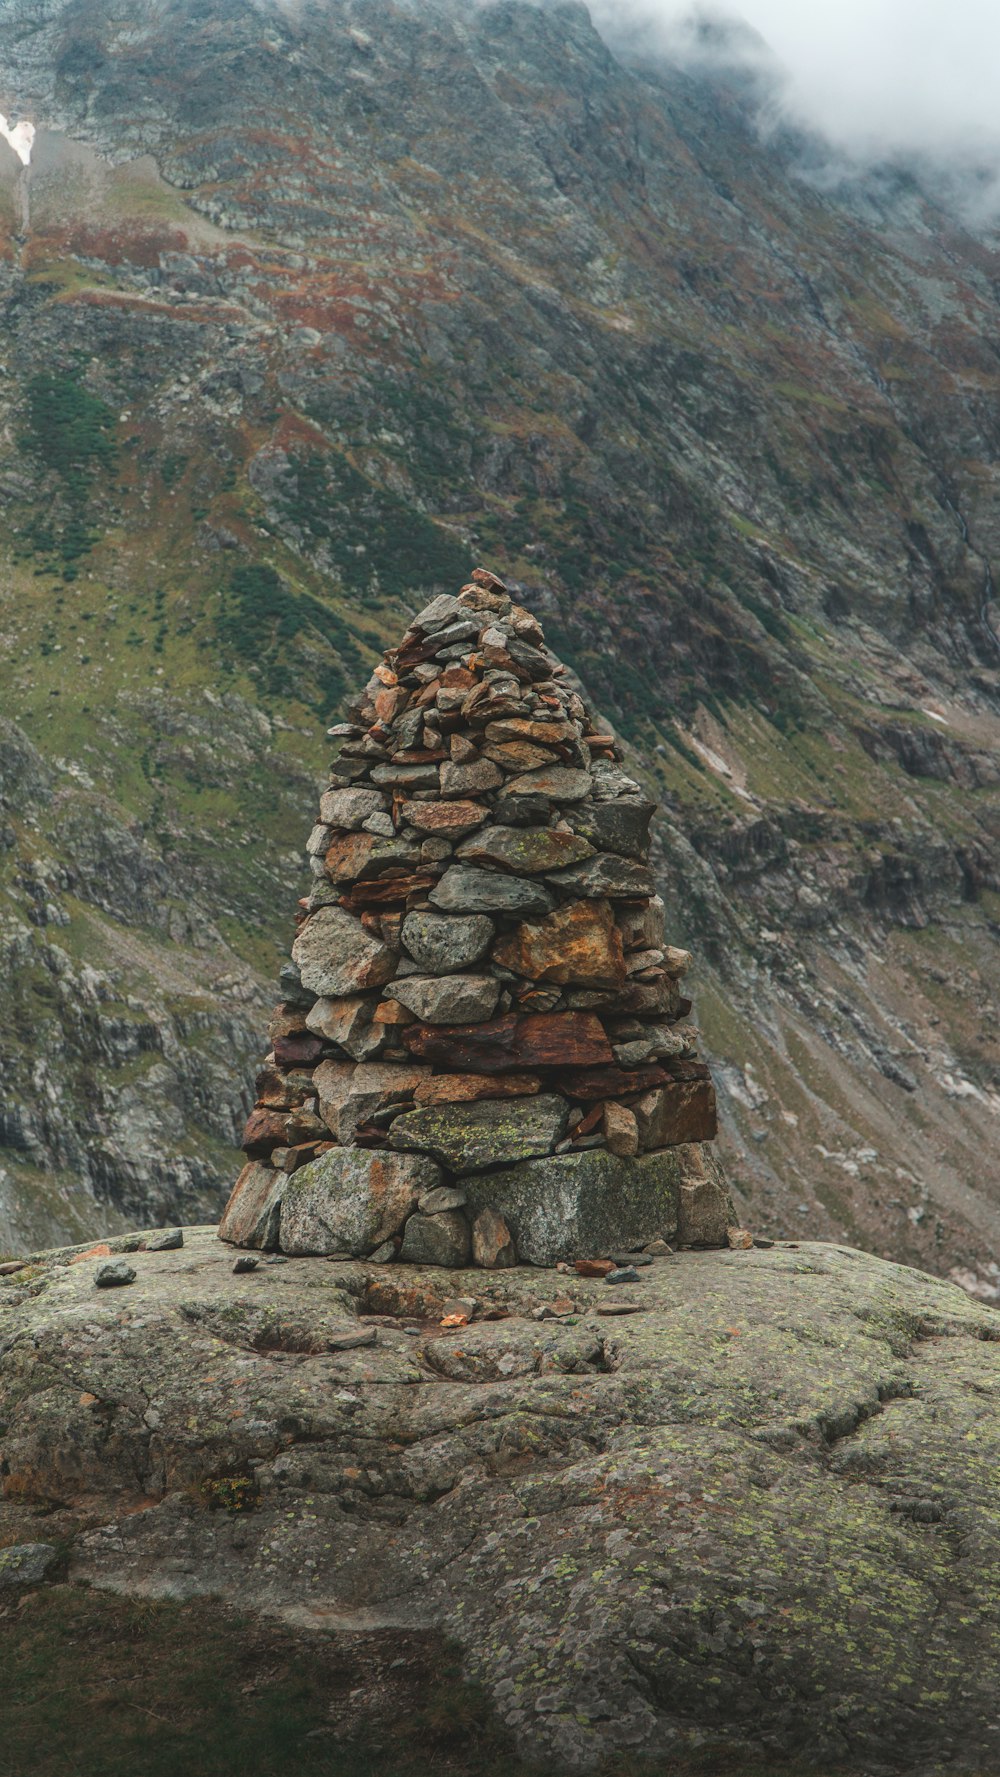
352,1199
572,1206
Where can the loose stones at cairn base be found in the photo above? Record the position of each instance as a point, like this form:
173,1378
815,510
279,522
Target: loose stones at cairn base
482,1055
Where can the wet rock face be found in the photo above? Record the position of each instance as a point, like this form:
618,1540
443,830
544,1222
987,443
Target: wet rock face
486,1051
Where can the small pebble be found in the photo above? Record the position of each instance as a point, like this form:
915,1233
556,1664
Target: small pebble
619,1307
112,1276
276,1259
246,1263
658,1249
354,1336
759,1240
623,1274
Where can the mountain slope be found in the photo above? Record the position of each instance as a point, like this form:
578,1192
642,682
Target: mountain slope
303,313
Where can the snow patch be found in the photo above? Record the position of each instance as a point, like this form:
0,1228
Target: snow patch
21,137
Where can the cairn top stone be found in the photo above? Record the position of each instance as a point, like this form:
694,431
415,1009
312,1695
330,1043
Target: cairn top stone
483,1048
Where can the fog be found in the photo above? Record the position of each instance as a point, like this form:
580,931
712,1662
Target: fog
875,77
21,137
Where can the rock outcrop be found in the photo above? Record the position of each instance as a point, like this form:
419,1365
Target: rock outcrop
753,1516
482,1051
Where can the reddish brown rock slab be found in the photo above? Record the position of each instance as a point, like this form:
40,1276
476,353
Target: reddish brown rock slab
281,1091
492,1246
467,1088
265,1129
514,1043
301,1049
353,856
592,1084
559,782
524,850
387,891
252,1215
446,818
680,1111
337,956
519,755
579,945
539,733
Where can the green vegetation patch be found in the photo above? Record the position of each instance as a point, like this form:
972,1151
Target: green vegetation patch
71,433
367,532
299,647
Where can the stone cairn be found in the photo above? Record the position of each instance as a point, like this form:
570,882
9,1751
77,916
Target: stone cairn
481,1053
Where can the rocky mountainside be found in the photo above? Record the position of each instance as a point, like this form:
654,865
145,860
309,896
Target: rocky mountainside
307,309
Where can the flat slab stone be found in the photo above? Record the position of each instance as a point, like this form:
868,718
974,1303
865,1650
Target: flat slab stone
465,889
490,1132
352,1199
349,808
616,826
525,850
579,945
606,874
581,1206
561,783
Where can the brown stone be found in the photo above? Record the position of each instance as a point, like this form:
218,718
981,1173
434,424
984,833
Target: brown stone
679,1111
348,1023
590,1084
525,728
739,1239
387,891
448,818
578,944
492,1246
594,1267
518,755
352,856
466,1088
265,1129
251,1217
391,1012
390,702
286,1021
514,1043
299,1050
621,1131
282,1091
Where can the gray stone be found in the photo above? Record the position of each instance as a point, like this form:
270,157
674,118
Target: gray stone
464,889
335,954
407,777
605,874
705,1208
654,1045
348,1023
448,999
442,1197
380,824
525,850
560,783
353,1339
475,775
26,1564
615,826
114,1275
446,944
442,610
488,1132
352,1199
358,1096
611,782
349,809
492,1246
623,1274
580,1206
166,1242
318,841
245,1263
252,1215
384,1254
436,1240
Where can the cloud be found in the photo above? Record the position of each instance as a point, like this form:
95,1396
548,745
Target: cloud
876,78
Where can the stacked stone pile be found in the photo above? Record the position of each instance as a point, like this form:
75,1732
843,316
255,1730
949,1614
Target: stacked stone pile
481,1054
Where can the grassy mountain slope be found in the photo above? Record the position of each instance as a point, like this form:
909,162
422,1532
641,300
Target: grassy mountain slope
302,314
